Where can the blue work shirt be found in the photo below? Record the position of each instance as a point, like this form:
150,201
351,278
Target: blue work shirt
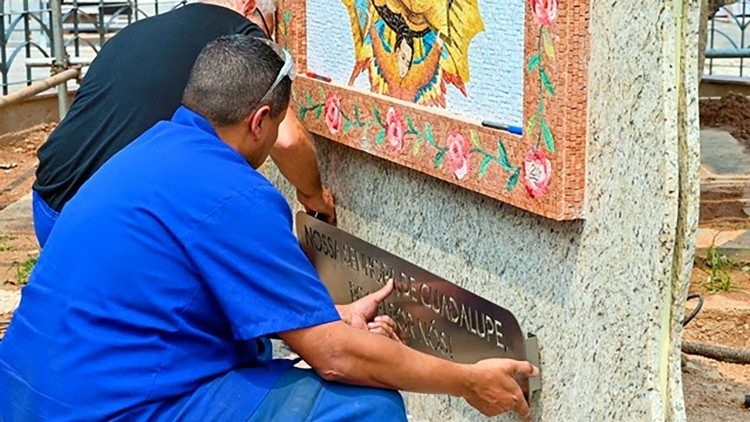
158,277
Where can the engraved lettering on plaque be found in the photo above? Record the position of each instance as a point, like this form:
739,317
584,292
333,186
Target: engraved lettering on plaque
431,314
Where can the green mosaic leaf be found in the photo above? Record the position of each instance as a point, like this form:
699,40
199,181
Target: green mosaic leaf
513,179
534,62
318,111
531,125
381,137
308,98
410,124
439,158
547,82
378,117
484,166
287,16
502,156
428,134
302,113
347,127
549,140
549,48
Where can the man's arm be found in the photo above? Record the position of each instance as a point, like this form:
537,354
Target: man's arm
294,155
344,354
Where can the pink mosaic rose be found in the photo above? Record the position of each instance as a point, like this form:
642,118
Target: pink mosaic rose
458,155
394,130
332,112
536,172
545,11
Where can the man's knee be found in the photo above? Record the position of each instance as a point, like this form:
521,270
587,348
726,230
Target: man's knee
389,404
363,403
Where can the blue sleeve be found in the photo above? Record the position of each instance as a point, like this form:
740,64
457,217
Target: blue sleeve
246,252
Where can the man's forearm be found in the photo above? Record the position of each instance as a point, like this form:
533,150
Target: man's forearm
360,358
378,361
294,155
344,354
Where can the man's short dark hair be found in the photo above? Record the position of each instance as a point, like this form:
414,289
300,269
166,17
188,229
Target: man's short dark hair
231,75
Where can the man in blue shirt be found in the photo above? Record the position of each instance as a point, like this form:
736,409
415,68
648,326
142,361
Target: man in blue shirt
177,255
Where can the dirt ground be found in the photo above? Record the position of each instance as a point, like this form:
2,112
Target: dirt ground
17,166
731,113
713,390
721,320
18,162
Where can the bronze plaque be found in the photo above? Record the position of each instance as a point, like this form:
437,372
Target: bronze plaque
435,316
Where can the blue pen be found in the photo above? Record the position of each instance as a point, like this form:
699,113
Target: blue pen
516,130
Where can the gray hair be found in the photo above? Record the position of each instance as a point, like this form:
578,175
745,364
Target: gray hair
266,7
231,76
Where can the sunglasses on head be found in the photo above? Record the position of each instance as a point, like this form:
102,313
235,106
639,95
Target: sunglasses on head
289,69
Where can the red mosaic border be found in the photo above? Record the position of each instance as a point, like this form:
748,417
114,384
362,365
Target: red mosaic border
542,172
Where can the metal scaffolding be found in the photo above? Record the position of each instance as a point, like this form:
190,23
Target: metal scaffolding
37,37
728,47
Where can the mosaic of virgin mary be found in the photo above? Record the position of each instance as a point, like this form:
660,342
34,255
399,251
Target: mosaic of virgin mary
413,49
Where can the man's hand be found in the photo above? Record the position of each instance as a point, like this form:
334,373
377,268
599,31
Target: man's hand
361,314
385,326
321,204
493,388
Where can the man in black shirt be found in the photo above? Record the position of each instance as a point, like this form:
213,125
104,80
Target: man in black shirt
136,80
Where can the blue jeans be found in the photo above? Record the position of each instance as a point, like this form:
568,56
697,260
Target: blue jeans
44,218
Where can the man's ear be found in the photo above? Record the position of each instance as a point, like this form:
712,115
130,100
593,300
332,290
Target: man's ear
248,6
258,119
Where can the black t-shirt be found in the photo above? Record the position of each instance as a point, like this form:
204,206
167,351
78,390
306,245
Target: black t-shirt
136,80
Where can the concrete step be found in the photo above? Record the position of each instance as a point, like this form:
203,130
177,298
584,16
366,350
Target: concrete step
725,179
725,199
735,244
722,154
16,218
